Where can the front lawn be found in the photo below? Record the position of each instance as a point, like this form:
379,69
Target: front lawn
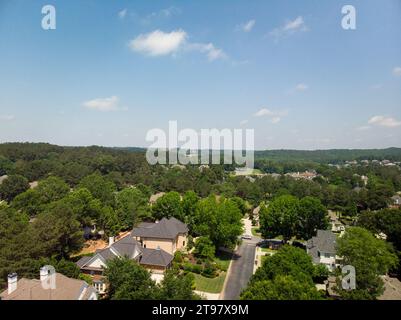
223,259
211,285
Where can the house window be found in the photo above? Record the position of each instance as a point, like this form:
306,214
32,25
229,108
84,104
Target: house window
183,243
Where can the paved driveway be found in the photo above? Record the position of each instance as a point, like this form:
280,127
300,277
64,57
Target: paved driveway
241,270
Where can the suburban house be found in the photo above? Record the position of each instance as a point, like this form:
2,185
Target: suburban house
152,245
169,235
396,201
336,225
322,249
38,289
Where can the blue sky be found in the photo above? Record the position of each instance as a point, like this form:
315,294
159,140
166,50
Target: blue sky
112,70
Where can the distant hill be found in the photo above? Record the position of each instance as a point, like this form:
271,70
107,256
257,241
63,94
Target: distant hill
330,156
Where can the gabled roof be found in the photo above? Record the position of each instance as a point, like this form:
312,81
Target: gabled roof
155,257
126,246
325,241
164,229
396,199
66,289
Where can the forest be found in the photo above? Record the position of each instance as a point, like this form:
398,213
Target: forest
51,193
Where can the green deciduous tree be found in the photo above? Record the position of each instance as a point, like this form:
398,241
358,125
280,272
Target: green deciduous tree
131,207
280,217
204,248
13,186
167,206
219,220
100,188
281,288
312,216
287,275
371,257
176,286
127,280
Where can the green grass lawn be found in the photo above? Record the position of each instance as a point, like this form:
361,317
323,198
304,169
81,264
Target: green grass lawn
223,259
214,285
267,250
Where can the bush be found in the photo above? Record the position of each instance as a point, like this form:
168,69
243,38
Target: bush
85,277
204,248
178,258
209,270
195,268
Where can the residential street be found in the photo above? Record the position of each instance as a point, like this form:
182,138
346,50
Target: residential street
241,266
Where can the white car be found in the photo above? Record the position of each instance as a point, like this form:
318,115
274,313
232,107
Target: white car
247,237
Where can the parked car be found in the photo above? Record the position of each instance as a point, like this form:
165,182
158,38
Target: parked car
247,237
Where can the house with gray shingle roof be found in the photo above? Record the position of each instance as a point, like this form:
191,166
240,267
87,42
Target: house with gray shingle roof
152,245
396,201
167,234
322,249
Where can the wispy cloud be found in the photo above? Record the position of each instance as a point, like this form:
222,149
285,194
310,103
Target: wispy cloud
397,71
243,122
7,117
161,14
159,43
209,49
301,87
384,121
247,26
122,13
103,104
289,28
274,116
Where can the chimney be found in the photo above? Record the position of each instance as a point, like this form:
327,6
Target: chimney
111,241
12,282
44,274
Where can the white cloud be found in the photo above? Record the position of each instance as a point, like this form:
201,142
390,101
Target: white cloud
163,13
243,122
301,87
158,43
384,121
263,112
122,13
397,71
290,27
102,104
209,49
274,116
7,117
247,26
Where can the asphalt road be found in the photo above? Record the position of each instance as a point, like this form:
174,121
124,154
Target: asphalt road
241,269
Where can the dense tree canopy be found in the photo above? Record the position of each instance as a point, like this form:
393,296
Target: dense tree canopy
371,257
287,275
